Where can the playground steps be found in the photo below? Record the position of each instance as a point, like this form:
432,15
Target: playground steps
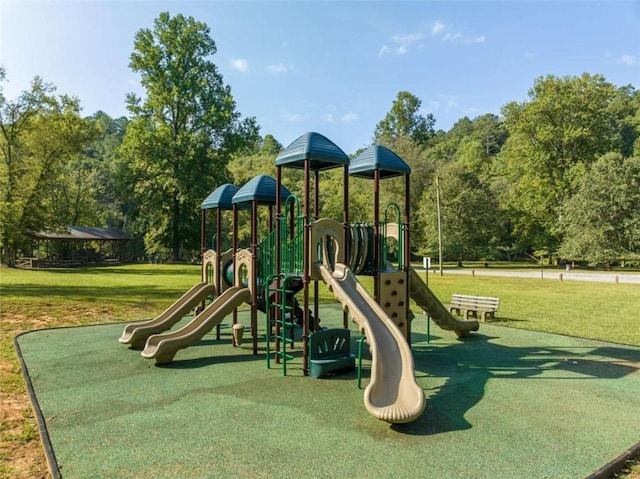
280,297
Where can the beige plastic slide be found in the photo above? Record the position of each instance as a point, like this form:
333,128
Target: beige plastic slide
428,301
136,334
392,394
163,347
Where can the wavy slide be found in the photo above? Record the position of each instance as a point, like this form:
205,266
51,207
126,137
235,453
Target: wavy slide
137,333
428,301
163,347
392,394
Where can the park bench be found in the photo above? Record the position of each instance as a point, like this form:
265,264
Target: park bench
465,305
330,351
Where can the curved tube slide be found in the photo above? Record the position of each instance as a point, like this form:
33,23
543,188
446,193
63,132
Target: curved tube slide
392,394
136,334
163,347
428,302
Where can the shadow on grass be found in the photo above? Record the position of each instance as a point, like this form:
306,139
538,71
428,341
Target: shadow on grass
501,319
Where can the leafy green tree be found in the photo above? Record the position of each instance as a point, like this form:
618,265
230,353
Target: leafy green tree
466,153
183,133
405,118
469,215
566,124
75,195
601,220
111,192
40,134
271,146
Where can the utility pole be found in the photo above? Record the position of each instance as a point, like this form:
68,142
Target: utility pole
439,224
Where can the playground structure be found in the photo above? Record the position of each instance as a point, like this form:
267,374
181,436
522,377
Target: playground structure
300,250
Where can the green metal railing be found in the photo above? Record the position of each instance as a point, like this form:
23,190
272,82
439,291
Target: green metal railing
292,238
278,295
267,255
283,320
225,243
291,244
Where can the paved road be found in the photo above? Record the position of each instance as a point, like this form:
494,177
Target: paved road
548,274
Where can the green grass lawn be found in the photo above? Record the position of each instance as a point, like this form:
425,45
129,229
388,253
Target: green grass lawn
605,311
31,299
522,266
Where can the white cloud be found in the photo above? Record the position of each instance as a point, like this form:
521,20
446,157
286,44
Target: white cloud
240,64
437,27
447,33
451,37
628,60
351,116
294,117
479,39
278,68
407,38
402,42
446,102
329,117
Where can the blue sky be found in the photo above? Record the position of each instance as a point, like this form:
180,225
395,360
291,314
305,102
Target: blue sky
334,67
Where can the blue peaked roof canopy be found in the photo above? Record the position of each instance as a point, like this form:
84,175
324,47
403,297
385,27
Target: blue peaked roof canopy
220,197
321,152
378,157
261,189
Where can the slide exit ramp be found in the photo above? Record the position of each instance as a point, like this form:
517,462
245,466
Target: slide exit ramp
163,347
430,304
392,394
136,334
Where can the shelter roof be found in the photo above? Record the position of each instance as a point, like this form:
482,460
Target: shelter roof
220,197
83,233
381,158
321,152
262,190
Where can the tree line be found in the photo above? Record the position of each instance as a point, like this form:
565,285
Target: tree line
557,174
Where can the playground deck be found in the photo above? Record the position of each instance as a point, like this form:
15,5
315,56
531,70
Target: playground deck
501,403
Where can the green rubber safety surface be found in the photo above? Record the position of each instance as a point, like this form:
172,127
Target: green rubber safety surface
501,403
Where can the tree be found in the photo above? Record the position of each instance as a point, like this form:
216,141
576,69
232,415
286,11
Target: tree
567,123
469,215
405,119
464,156
271,146
601,221
183,133
40,134
112,190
